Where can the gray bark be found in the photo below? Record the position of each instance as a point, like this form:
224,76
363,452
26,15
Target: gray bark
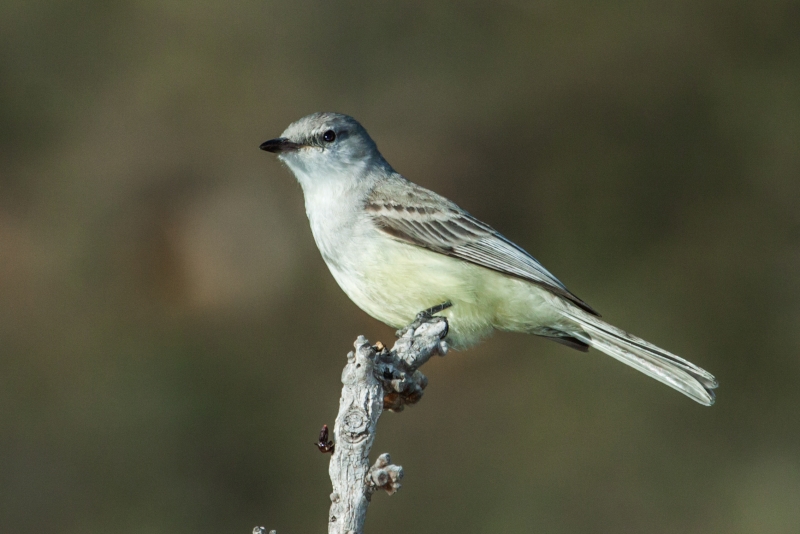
373,379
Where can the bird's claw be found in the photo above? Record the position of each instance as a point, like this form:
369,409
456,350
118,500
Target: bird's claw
423,317
430,312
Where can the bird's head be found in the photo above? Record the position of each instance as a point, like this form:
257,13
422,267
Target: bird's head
323,146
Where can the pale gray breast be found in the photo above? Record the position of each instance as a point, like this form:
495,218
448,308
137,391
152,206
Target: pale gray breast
333,216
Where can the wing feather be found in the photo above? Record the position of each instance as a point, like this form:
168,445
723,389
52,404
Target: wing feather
410,213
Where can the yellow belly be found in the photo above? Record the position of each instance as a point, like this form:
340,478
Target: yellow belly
396,281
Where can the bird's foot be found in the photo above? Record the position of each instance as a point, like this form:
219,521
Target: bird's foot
430,312
423,317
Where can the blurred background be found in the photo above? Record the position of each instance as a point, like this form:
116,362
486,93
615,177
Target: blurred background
171,341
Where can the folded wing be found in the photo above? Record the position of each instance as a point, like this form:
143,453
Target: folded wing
421,217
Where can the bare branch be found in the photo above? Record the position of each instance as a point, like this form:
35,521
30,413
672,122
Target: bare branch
373,379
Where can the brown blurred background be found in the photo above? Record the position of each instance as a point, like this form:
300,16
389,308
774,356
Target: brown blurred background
171,341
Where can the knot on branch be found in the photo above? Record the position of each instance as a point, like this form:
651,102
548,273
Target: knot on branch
384,475
374,379
397,369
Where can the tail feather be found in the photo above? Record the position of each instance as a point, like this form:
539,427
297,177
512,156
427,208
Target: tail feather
694,382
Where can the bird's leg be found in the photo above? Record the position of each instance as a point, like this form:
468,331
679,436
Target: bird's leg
430,312
423,317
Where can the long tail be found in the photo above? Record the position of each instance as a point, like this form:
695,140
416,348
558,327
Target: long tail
694,382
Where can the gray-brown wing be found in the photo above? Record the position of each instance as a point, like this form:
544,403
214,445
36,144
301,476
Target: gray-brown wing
420,217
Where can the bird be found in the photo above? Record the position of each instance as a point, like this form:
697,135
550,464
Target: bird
396,248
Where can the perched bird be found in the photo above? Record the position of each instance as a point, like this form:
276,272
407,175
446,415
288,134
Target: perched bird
396,249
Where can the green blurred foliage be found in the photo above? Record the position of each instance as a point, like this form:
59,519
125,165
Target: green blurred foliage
171,342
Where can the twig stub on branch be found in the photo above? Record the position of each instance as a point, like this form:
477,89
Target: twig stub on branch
323,444
373,379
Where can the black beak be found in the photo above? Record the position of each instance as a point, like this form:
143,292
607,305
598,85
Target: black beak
279,145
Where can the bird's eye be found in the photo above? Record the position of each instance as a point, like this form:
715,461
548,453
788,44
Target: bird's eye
329,136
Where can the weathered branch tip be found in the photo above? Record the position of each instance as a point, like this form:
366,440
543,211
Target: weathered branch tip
374,379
